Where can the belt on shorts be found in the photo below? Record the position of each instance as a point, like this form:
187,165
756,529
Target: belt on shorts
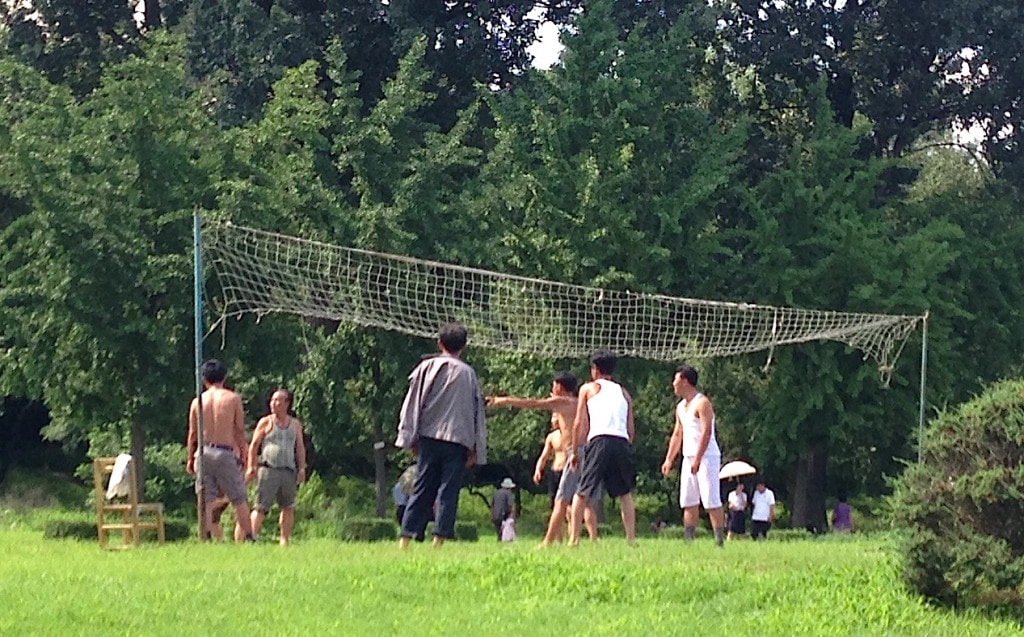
267,466
224,447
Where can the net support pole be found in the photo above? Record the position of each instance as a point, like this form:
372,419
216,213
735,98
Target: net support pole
197,278
924,373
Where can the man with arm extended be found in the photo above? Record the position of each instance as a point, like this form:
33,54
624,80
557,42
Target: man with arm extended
562,404
224,445
604,422
442,422
694,434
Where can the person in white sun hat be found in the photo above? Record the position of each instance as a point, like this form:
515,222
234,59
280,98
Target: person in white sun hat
503,505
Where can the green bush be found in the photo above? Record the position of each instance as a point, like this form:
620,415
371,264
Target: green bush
175,530
368,530
166,478
671,533
61,529
678,533
467,532
353,497
789,535
311,500
23,490
961,506
65,528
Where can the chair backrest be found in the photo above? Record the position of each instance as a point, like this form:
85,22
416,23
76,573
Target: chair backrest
103,469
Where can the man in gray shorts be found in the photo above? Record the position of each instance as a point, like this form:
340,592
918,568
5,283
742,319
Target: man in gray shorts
223,446
567,488
281,465
562,405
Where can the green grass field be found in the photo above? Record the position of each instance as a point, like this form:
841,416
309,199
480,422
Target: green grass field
828,586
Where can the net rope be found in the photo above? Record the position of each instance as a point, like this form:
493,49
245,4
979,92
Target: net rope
263,272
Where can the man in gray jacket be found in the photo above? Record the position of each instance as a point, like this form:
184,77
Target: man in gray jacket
442,422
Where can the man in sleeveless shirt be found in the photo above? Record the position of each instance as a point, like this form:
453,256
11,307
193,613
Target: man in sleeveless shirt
694,434
562,404
281,463
604,421
223,446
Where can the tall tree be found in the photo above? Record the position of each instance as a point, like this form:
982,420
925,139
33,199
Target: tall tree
243,46
110,184
824,237
910,69
608,170
70,40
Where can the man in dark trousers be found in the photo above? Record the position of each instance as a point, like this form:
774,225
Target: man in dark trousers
442,422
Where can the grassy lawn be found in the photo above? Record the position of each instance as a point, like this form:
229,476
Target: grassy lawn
833,586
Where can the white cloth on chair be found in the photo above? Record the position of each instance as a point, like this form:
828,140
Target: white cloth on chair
118,485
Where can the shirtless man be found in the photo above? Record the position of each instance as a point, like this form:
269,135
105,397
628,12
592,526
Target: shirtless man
562,404
224,445
553,452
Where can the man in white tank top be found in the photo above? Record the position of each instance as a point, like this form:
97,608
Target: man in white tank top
694,435
604,421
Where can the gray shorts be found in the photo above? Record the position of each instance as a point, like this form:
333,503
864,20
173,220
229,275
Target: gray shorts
222,471
275,485
570,481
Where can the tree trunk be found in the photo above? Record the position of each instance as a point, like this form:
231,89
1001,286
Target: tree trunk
138,443
379,447
807,492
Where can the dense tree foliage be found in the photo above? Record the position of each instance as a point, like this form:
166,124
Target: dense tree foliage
680,148
907,68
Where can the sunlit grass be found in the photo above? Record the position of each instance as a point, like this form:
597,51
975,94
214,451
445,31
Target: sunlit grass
661,587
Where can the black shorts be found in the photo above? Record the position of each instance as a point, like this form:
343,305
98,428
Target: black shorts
607,459
554,477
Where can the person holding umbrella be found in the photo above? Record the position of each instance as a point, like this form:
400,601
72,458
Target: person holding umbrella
737,520
737,512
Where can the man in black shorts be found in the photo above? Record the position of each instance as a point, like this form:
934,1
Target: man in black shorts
604,420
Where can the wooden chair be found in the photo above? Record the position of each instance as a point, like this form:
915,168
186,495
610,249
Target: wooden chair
127,514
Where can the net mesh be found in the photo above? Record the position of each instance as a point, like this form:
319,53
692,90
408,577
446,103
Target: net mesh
264,272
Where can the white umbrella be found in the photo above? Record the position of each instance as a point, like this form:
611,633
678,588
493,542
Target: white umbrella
735,469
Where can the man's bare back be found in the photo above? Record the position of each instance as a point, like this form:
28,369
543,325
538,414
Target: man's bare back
224,448
223,421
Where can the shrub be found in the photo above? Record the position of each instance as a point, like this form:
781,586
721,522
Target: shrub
678,533
311,500
175,530
166,478
354,497
64,528
70,529
368,530
467,532
24,490
671,533
962,504
790,535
